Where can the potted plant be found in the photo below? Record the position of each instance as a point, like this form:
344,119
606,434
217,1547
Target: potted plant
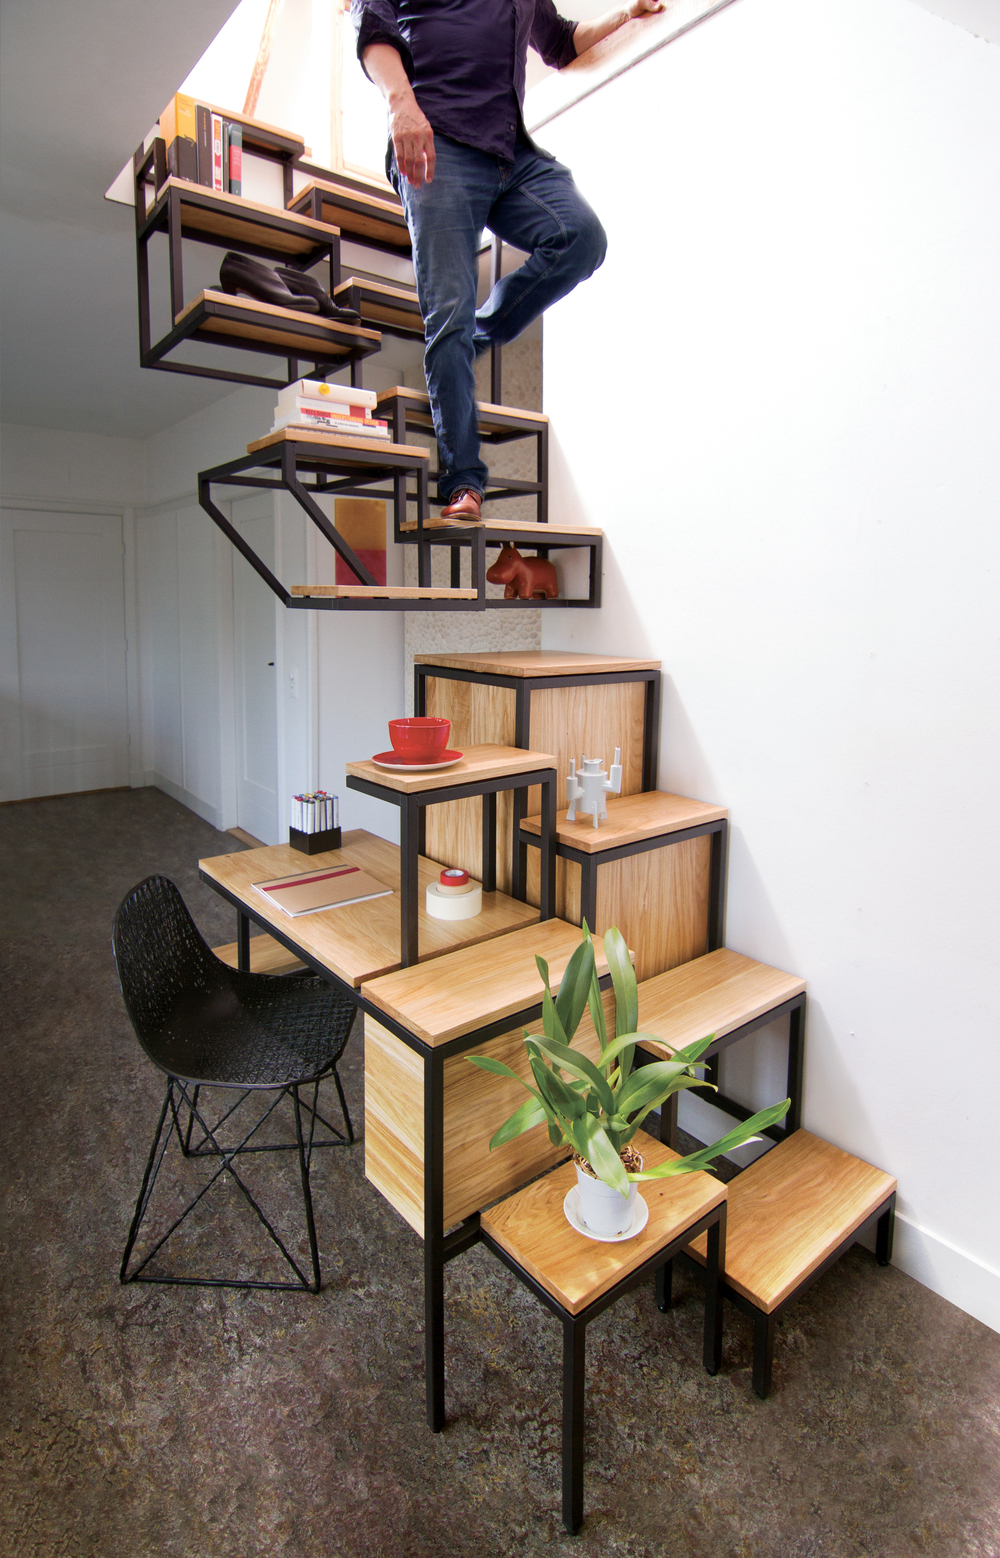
596,1108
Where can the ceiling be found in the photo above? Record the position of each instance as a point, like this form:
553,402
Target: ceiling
80,84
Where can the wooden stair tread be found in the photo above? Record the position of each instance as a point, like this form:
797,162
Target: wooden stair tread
465,990
267,956
631,818
532,530
711,994
311,435
358,941
382,592
487,761
531,1227
536,662
359,215
485,408
790,1210
307,335
237,218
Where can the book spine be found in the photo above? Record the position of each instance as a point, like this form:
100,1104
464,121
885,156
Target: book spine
235,159
186,157
331,424
217,164
203,118
327,408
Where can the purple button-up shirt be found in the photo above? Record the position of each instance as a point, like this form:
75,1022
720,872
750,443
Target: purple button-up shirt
465,59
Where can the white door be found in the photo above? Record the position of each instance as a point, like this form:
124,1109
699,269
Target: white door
254,608
62,654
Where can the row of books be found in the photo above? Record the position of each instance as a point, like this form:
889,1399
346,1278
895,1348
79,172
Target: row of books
332,408
315,813
203,146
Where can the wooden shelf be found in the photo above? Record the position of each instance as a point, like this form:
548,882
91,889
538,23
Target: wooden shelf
789,1211
480,762
536,662
374,220
716,993
466,990
334,441
358,942
380,592
234,220
650,814
267,956
496,423
394,309
533,1230
237,321
528,530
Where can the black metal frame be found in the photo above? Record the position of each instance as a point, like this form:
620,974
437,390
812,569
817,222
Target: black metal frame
208,1145
412,825
574,1328
882,1221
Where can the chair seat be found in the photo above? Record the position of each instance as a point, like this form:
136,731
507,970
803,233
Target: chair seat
258,1031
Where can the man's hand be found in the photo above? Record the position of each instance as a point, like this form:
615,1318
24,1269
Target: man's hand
589,33
412,136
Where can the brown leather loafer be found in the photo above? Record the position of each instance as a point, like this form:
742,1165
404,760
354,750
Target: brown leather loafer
465,504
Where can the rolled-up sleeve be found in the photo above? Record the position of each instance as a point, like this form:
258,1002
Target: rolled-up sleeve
552,35
375,21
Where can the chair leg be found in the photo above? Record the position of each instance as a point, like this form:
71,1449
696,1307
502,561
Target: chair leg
186,1143
146,1187
574,1375
343,1108
763,1353
304,1166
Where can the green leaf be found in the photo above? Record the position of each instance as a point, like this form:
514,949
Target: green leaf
615,1046
551,1021
531,1113
603,1158
497,1067
690,1053
736,1138
648,1082
575,987
577,1064
654,1103
623,979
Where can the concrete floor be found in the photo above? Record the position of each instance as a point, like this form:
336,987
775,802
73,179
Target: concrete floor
170,1422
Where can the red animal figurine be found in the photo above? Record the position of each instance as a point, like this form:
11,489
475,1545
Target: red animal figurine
526,578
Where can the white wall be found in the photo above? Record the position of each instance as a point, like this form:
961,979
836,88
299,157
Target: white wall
799,318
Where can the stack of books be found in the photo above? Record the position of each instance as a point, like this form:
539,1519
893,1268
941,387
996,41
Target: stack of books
203,146
333,408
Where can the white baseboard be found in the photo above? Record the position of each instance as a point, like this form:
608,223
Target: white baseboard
947,1271
177,792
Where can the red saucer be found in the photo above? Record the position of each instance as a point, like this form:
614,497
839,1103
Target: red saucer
397,760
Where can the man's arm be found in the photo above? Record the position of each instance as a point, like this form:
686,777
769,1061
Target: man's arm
412,136
589,33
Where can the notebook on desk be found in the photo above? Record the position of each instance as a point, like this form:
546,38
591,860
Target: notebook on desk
310,891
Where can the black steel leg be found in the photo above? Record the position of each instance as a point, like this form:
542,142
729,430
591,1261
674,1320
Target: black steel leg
714,1270
763,1353
547,849
489,877
242,942
574,1374
883,1233
717,889
796,1024
140,1205
434,1239
664,1285
409,881
588,891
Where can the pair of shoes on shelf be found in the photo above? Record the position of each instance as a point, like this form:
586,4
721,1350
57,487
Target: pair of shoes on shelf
285,288
464,504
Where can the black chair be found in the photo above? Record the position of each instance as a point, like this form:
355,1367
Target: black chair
205,1025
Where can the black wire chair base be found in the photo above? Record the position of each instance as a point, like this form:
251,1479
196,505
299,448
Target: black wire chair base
182,1098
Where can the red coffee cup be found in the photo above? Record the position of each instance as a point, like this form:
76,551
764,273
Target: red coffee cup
422,736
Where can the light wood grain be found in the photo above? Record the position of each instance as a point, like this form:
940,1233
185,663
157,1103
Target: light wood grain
790,1210
533,532
485,408
454,834
532,1228
537,662
381,592
340,337
310,435
379,219
465,990
267,956
381,304
233,217
479,763
631,818
658,900
713,994
571,721
359,941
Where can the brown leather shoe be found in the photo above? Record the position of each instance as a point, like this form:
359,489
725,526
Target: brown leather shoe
464,504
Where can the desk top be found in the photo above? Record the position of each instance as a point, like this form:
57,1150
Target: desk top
482,762
531,1227
631,818
358,941
470,989
536,662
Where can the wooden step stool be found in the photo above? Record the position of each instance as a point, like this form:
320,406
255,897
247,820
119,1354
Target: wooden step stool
793,1213
578,1278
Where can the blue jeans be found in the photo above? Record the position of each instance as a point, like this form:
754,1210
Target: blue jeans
532,204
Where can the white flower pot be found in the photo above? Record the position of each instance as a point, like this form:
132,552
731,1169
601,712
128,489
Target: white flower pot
605,1210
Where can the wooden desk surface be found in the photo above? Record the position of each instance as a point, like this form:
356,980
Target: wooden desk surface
531,1227
537,662
467,990
358,941
480,762
631,818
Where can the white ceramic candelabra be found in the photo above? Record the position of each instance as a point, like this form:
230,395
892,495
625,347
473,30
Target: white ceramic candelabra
589,788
